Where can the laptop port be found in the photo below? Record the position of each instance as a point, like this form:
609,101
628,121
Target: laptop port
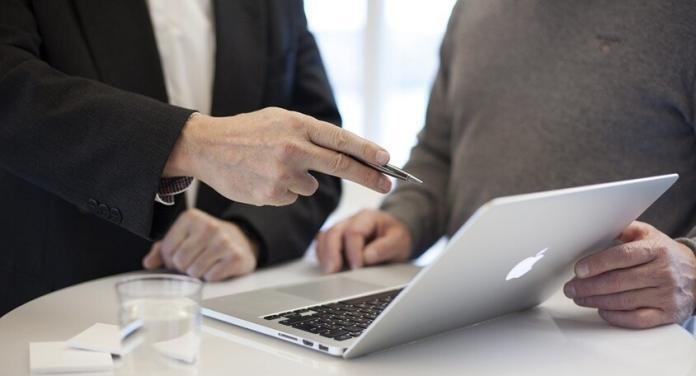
287,336
308,343
322,347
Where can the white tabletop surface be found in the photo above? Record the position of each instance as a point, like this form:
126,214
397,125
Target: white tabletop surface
557,338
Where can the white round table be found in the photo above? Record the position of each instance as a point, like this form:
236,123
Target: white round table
557,338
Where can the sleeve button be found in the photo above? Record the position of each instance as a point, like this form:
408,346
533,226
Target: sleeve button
92,204
103,211
115,215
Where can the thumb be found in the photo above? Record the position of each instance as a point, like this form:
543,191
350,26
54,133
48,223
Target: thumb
635,231
154,258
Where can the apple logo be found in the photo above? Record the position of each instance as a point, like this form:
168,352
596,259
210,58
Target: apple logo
525,265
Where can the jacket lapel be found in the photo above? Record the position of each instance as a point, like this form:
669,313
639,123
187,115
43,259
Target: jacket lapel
123,46
240,59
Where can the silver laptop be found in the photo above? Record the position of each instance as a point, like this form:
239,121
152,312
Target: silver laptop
512,254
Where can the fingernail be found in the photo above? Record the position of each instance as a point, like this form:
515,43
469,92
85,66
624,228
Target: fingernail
385,185
569,291
581,270
328,267
382,157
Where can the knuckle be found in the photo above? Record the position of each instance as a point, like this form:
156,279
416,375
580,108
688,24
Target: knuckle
280,172
646,227
194,271
166,250
614,282
366,150
668,277
178,261
671,303
625,300
340,163
274,191
287,149
624,253
352,231
660,250
188,214
211,227
295,122
273,112
334,232
340,138
282,178
374,178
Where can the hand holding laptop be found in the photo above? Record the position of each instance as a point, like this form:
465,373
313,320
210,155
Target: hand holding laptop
647,281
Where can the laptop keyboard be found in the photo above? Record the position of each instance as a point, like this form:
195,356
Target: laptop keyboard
341,320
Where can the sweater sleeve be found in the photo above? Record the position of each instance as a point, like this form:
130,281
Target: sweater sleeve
423,207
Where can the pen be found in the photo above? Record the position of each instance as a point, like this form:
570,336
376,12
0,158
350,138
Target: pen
395,172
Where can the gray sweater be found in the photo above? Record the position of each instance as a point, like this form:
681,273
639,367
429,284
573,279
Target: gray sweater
534,95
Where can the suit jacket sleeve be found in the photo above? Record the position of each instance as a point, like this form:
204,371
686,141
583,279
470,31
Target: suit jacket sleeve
81,140
285,233
423,207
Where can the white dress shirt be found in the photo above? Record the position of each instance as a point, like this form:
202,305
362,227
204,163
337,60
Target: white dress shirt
185,35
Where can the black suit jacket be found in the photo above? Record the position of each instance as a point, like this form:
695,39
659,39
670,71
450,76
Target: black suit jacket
85,132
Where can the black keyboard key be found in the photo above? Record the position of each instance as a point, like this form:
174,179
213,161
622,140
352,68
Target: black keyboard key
332,333
294,320
349,317
343,337
354,329
314,329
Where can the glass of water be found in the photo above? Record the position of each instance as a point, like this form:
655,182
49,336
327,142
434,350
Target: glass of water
160,319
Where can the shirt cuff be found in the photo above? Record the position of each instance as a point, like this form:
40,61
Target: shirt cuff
170,187
691,243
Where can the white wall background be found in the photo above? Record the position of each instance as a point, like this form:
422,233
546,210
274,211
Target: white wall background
381,57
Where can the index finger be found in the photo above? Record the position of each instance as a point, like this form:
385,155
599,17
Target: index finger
338,139
345,167
359,230
619,257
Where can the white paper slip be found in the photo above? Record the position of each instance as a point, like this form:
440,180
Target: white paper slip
105,338
57,357
98,337
184,348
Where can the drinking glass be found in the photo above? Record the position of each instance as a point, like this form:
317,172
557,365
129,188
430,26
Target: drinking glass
160,320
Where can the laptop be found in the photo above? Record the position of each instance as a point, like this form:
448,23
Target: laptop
511,255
